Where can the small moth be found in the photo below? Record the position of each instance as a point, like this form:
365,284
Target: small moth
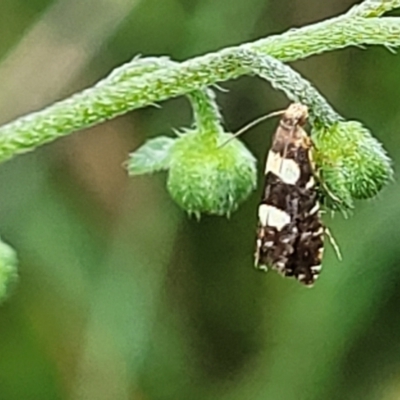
290,233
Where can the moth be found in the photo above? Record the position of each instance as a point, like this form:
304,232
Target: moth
290,232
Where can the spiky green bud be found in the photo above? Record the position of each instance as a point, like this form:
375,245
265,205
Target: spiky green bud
208,176
353,163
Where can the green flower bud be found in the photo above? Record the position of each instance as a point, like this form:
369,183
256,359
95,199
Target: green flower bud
354,164
8,270
208,176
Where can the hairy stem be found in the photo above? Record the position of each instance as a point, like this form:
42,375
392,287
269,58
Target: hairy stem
130,87
373,8
295,87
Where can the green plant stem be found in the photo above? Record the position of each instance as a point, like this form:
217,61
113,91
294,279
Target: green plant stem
205,109
373,8
295,87
331,35
122,91
206,113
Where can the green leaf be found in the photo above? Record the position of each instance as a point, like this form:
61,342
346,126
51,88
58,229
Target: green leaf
153,156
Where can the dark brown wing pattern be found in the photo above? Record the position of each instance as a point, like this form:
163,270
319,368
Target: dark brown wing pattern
290,234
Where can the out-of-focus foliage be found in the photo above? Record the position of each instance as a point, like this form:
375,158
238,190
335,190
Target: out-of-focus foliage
121,296
8,270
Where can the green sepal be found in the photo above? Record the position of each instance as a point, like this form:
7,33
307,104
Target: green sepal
8,270
210,175
352,163
153,156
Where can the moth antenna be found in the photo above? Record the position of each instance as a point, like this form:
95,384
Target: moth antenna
333,244
251,124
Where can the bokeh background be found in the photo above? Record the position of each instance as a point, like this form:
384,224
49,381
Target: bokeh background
121,295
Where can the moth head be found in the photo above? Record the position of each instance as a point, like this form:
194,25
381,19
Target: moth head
296,114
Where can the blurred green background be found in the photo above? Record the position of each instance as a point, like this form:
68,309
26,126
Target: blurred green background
121,295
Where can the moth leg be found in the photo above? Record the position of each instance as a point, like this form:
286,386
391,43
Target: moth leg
318,177
334,244
325,188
